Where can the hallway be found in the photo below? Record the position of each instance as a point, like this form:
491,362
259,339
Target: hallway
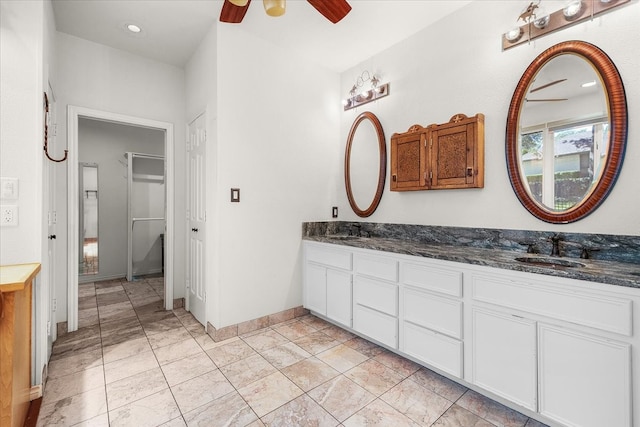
133,364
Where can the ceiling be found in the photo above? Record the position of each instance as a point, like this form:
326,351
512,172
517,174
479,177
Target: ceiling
172,29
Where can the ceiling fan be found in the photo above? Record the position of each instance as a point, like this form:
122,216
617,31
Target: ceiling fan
233,11
544,87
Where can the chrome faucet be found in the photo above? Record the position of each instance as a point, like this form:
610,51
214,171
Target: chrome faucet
555,244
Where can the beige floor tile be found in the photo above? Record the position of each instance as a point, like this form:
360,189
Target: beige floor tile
150,411
341,397
125,349
204,341
177,351
374,377
231,351
129,366
302,411
491,410
365,347
535,423
121,310
457,416
294,330
135,387
314,321
416,402
265,340
310,373
342,358
75,363
201,390
316,342
285,355
169,337
176,422
337,333
187,368
101,420
75,409
446,388
269,393
247,370
380,414
229,410
398,363
72,384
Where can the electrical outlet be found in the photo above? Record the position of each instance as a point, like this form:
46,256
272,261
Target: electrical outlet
8,215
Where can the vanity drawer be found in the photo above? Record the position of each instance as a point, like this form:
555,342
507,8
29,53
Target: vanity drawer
381,296
381,267
435,349
329,256
432,278
434,312
378,326
570,304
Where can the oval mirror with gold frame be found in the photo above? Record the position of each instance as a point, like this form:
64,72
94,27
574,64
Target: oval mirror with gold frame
365,164
565,137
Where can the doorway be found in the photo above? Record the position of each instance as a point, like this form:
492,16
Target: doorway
77,115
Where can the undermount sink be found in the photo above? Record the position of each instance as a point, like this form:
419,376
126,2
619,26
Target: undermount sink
549,262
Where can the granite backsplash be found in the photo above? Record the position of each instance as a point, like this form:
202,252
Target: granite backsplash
606,247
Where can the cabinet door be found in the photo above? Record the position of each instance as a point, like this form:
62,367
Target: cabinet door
339,296
315,288
584,380
504,356
407,161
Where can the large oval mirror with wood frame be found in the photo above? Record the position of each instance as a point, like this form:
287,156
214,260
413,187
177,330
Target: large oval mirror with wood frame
365,164
566,132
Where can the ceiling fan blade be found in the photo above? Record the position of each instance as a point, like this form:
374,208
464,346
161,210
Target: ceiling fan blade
547,85
333,10
546,100
233,14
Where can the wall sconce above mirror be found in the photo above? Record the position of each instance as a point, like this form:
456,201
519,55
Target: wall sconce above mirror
359,96
538,22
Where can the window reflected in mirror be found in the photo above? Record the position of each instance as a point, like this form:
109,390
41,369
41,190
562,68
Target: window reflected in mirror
88,219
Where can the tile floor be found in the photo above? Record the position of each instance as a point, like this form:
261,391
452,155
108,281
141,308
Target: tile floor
133,364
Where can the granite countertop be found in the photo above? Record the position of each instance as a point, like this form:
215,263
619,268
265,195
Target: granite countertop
610,272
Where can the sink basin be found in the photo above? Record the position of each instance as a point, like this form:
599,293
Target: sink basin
550,262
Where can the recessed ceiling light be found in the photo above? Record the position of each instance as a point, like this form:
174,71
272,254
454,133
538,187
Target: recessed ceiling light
133,28
589,84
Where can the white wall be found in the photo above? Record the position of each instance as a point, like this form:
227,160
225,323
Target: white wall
102,78
457,66
105,144
21,75
277,127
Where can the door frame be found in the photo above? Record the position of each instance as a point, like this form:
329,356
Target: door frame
74,113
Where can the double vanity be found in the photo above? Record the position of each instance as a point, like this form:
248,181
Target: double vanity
553,337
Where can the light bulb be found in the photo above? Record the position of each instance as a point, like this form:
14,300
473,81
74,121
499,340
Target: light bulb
513,34
572,10
274,7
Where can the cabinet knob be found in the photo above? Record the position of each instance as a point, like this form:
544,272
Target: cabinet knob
394,177
195,230
469,171
52,236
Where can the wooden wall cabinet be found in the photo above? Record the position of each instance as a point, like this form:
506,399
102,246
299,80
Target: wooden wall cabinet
440,156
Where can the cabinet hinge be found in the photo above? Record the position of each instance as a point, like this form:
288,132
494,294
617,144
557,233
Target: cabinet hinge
430,142
430,177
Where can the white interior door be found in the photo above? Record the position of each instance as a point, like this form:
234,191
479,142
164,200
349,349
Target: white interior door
196,218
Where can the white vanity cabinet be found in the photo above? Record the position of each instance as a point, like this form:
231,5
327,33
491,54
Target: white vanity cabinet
327,282
565,349
431,327
375,297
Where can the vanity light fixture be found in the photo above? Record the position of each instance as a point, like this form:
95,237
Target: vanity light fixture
537,22
357,98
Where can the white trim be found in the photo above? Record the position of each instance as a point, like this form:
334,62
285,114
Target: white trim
73,115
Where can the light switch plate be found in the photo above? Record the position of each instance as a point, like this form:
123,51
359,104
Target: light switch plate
8,188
